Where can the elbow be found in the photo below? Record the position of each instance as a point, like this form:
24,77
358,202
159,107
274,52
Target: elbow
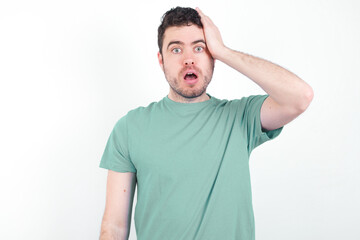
305,99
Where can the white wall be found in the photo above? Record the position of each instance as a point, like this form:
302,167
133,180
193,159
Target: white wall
70,69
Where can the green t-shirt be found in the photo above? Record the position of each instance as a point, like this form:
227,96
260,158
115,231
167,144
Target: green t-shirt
192,166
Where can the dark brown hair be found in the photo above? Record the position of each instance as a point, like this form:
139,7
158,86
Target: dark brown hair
178,16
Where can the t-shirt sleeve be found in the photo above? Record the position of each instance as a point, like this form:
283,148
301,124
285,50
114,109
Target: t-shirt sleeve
116,155
251,118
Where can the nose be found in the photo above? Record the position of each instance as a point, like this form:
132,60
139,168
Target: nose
189,61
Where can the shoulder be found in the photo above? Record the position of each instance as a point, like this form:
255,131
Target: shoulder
241,102
142,112
240,106
249,101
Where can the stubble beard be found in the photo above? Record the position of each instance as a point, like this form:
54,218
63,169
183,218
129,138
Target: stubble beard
189,92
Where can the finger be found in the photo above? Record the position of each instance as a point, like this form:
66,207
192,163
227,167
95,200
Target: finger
204,17
199,11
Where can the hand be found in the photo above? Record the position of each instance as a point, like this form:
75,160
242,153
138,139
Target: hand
212,35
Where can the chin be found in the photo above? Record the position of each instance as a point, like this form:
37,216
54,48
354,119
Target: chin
187,93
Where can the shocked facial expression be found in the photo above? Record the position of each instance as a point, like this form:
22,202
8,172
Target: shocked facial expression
187,64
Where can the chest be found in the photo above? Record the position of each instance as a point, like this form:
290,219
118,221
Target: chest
195,147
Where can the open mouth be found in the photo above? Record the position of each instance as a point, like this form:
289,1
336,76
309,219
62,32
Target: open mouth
190,75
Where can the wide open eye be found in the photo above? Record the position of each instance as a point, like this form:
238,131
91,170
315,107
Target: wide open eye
199,49
176,50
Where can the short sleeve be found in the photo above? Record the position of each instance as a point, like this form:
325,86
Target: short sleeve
255,134
116,155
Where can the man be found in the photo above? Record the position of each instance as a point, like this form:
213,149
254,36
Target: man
189,153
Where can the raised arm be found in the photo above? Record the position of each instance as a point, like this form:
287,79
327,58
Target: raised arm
289,95
120,191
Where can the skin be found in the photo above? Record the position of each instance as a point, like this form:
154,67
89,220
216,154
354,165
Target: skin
289,96
184,49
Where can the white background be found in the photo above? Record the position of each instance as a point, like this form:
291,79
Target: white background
70,69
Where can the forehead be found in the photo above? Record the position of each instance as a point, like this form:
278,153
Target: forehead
186,34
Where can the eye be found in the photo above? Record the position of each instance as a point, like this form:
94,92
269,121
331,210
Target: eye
176,50
199,49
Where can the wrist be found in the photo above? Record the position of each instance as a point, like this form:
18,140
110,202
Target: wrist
222,54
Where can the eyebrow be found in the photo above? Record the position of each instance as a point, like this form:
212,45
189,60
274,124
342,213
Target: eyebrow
182,43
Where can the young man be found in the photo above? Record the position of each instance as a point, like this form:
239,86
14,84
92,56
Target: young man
189,153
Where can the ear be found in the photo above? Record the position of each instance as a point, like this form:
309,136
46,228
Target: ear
160,59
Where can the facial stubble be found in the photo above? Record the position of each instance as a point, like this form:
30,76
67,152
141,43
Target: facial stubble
190,92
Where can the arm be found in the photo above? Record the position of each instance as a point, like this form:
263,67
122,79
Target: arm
289,96
119,199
